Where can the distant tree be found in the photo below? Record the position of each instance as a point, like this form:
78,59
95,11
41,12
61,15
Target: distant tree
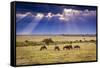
26,41
92,40
71,42
48,41
80,40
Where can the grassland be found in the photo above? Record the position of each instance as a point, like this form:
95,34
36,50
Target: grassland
31,54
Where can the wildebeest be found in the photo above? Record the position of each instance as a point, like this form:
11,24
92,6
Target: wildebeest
77,47
57,48
43,47
67,47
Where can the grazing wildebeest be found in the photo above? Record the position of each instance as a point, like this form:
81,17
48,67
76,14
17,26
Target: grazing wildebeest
67,47
57,48
77,47
43,47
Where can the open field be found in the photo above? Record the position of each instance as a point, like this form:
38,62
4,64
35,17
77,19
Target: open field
54,37
31,54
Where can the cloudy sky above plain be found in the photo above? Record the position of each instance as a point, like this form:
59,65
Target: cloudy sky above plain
54,19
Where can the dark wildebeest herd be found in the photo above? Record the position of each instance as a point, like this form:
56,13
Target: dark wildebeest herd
66,47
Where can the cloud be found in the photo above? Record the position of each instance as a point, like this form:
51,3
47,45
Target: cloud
20,16
73,12
89,13
66,15
49,15
70,14
39,15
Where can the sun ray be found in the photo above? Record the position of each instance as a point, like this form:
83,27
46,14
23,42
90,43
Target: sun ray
32,25
20,16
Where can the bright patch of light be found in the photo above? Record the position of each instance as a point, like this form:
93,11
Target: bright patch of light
59,15
39,15
68,11
49,15
28,13
61,18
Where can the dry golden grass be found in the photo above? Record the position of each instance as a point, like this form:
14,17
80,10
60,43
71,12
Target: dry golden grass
55,38
32,54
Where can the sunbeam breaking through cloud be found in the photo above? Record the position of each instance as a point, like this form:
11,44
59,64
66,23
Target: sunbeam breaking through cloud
66,21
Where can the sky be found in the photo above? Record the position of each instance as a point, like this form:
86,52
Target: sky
32,19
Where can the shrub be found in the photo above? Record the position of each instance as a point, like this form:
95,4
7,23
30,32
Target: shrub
92,40
48,41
